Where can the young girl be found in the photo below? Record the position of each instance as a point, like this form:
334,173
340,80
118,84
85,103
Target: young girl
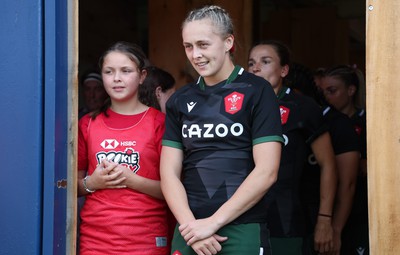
221,148
302,124
118,162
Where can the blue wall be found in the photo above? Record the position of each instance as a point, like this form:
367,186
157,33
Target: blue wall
21,126
33,50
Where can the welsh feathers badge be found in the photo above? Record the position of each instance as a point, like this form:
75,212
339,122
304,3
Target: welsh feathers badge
284,114
233,102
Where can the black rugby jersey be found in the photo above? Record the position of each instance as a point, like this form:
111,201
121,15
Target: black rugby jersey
360,201
216,127
302,123
344,139
359,120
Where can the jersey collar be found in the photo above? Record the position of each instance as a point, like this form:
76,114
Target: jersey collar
284,91
238,70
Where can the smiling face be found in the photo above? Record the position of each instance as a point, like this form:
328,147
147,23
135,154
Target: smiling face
207,51
264,61
121,76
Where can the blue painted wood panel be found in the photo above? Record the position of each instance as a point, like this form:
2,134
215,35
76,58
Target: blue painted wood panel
21,133
33,137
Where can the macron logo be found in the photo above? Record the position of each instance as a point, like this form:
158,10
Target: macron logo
360,250
190,106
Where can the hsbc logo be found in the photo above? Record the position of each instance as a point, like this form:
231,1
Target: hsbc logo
112,144
109,144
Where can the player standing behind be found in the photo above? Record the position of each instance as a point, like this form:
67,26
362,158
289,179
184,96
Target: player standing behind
119,150
222,146
302,126
158,86
342,87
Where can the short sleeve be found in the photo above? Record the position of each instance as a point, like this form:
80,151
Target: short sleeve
266,123
83,125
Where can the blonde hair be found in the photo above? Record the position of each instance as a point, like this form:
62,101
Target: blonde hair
218,16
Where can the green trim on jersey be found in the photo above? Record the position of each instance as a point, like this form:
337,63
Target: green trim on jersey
236,71
265,139
283,92
173,144
211,129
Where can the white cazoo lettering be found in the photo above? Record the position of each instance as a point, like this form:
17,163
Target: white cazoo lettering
221,130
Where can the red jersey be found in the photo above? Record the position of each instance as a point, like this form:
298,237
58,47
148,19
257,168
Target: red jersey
123,221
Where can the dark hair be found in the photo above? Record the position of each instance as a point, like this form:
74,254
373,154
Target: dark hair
280,48
91,75
134,52
349,76
301,78
155,77
345,73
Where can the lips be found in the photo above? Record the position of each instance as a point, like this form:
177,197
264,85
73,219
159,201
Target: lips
118,88
201,64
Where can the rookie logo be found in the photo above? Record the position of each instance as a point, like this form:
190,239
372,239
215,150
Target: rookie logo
233,102
129,158
176,253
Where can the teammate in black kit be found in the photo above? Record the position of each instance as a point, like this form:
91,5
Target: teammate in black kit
343,89
302,127
346,148
222,146
345,144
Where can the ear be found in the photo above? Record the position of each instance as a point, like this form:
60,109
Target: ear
158,92
284,71
351,90
143,76
229,43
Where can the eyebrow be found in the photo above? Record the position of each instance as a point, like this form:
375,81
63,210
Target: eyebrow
197,42
262,58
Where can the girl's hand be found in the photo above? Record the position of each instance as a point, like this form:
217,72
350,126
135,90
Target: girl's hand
106,176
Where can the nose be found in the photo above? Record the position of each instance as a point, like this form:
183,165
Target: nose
197,52
255,68
116,77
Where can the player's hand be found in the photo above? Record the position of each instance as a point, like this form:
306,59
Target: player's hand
209,246
323,235
196,230
337,243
